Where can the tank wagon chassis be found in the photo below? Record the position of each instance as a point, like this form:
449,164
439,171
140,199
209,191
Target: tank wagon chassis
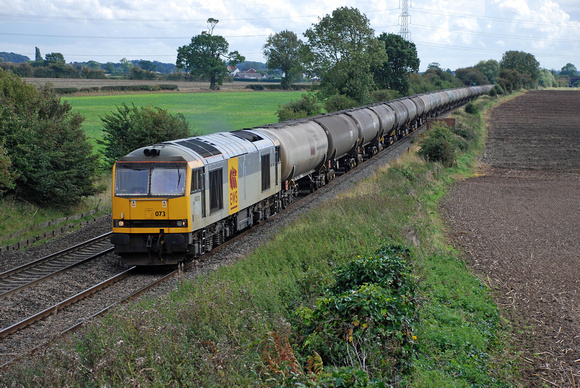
177,200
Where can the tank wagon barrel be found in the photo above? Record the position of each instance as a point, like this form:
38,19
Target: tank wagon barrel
177,200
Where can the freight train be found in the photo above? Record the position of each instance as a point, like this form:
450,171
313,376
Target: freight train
176,200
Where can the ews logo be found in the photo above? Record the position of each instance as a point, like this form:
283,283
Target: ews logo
233,179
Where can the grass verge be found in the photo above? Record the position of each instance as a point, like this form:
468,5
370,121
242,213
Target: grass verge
23,220
237,326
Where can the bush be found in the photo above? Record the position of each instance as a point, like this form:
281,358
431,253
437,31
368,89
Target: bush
141,74
439,145
305,107
369,310
384,95
7,173
131,128
471,108
339,102
46,145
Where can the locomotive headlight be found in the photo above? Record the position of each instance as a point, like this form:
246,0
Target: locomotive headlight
121,223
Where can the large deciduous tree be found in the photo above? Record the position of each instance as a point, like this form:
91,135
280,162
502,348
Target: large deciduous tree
489,68
471,76
55,58
402,60
282,51
522,62
569,69
342,49
207,55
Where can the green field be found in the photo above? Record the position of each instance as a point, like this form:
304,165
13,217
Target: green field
205,112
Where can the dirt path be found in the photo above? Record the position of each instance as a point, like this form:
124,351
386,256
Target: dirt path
519,224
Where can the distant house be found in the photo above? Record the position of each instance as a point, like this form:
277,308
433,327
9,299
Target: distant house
233,70
250,74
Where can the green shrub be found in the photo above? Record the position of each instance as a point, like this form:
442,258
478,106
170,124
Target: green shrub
384,95
439,145
307,106
65,90
131,128
7,173
471,108
46,145
369,310
339,102
168,87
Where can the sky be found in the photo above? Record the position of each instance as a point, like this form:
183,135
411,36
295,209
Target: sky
454,34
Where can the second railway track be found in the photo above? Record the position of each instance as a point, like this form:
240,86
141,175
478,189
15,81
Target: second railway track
36,271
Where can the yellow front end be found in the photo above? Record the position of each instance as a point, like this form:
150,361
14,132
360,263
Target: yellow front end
151,229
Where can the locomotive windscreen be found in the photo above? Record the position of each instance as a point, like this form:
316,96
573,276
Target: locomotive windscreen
150,179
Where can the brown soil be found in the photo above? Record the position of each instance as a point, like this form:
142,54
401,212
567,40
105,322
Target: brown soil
518,225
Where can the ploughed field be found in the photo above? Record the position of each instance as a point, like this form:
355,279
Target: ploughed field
519,224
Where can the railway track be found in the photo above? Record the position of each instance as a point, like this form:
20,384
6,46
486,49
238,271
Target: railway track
32,273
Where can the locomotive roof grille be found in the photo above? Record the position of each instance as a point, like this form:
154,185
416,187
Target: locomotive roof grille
203,149
246,135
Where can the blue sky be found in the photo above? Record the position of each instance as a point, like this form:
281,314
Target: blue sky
454,34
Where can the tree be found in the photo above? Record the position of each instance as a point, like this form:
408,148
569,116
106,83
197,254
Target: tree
147,65
489,68
547,79
93,65
126,66
55,58
131,128
37,55
569,69
52,161
206,56
110,67
471,76
343,50
510,80
402,60
523,63
282,52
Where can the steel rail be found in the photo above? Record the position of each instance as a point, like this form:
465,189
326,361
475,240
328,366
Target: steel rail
25,282
67,302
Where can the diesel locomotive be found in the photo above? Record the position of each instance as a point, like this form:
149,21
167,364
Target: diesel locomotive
176,200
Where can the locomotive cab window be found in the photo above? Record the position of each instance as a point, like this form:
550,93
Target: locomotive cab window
216,190
131,180
167,180
265,172
196,180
